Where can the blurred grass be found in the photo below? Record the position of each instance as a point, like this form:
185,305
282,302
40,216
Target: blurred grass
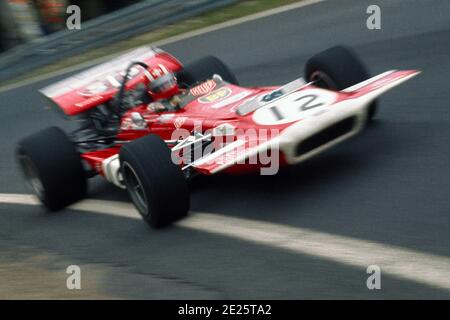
241,9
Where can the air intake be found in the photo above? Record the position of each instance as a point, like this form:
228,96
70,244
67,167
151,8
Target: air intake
325,136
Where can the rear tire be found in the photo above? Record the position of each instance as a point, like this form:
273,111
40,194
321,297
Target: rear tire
338,68
204,69
52,168
155,184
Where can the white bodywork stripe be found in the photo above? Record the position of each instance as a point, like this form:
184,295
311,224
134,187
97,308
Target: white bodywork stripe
368,81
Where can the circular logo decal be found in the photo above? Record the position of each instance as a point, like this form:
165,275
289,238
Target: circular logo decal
216,95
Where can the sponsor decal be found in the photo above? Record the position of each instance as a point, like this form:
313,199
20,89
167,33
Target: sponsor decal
164,118
94,89
203,88
232,99
179,122
89,102
215,96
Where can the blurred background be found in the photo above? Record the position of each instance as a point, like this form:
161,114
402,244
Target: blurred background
25,20
35,38
262,237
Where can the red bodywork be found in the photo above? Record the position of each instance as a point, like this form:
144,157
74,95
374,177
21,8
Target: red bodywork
192,116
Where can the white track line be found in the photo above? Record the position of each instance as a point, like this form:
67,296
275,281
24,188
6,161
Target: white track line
164,42
411,265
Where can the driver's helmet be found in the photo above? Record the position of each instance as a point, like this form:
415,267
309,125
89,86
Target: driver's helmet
162,83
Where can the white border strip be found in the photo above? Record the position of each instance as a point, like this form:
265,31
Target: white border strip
406,264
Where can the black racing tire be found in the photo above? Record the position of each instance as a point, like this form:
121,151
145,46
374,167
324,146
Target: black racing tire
156,184
52,168
338,68
204,69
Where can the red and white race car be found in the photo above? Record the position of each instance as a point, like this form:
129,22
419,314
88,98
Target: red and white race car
153,148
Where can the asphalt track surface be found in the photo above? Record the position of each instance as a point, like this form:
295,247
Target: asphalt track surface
389,185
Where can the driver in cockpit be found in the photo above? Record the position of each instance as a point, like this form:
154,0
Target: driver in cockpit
159,90
163,89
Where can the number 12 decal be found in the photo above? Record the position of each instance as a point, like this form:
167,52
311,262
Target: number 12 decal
308,104
294,107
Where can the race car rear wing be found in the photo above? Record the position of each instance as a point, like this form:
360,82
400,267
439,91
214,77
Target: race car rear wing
101,83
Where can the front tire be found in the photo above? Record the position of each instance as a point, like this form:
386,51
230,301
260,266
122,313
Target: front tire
52,168
338,68
155,184
204,69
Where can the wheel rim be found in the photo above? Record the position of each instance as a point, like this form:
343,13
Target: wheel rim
32,177
322,80
135,188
